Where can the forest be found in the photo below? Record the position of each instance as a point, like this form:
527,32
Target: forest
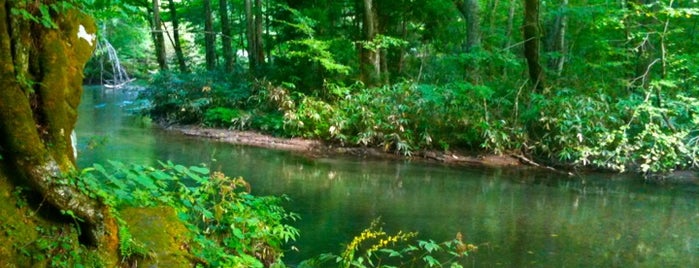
596,84
572,85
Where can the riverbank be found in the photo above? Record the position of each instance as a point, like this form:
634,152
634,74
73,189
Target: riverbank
317,148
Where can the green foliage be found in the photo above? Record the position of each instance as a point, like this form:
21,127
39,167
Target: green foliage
401,118
128,247
315,52
58,247
221,116
653,140
381,41
185,98
229,226
621,100
375,248
630,133
40,12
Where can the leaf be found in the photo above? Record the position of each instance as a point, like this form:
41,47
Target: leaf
431,261
238,233
160,175
391,252
200,170
430,246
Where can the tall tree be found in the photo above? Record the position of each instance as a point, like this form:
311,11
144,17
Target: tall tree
253,17
471,13
250,32
40,89
370,59
510,24
259,18
226,42
209,37
182,63
531,43
556,39
159,40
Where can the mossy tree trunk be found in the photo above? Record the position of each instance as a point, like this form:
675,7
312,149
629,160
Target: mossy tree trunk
41,85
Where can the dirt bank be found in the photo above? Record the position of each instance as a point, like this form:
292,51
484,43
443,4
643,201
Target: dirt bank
315,148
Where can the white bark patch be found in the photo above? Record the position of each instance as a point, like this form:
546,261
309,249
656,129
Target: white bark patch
82,33
74,143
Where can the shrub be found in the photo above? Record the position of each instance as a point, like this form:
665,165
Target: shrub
230,227
221,116
376,248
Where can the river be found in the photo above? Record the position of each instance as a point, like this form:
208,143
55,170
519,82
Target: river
517,218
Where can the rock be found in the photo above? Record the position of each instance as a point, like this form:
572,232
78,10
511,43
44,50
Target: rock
162,234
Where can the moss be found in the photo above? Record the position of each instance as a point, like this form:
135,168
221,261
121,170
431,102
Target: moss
162,234
29,238
15,229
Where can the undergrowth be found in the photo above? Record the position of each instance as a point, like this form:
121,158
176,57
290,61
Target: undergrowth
373,247
229,226
651,131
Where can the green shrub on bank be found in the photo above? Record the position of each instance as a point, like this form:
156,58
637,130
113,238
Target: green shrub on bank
565,126
229,226
185,98
221,117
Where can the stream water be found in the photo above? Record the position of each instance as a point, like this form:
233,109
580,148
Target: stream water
517,218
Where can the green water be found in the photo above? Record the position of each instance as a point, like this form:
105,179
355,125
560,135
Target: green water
518,218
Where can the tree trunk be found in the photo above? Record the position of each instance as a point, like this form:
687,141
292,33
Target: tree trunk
209,37
370,61
226,42
268,40
41,76
470,11
250,30
182,63
531,43
159,39
510,24
259,49
556,40
492,15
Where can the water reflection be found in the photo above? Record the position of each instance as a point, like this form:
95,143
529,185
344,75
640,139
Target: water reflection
519,218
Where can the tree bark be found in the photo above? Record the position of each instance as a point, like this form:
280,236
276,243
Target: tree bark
470,11
39,95
370,59
209,37
510,24
250,31
158,35
556,43
182,63
531,43
259,18
226,42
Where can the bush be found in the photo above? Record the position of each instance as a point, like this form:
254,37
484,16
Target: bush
221,116
185,98
230,227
